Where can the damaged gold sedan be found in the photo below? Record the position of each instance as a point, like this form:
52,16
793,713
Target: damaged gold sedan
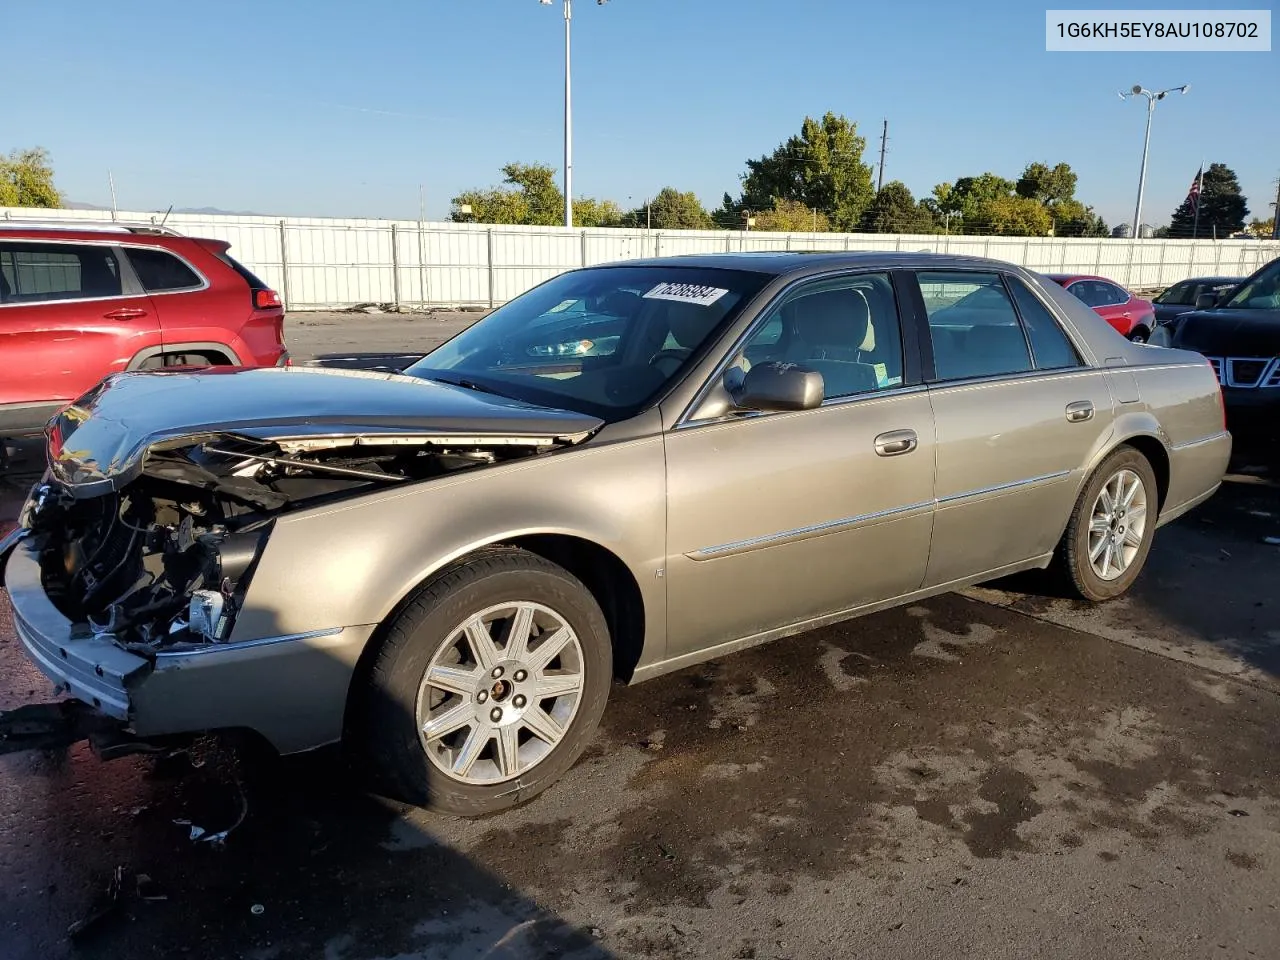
627,470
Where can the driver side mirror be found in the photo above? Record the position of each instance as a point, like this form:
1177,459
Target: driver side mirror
1206,301
772,387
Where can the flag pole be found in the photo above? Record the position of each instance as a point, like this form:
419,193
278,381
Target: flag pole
1195,228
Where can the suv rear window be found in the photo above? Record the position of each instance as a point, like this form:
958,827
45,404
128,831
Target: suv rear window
36,272
160,271
249,276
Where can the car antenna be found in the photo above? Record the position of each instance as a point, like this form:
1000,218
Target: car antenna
165,217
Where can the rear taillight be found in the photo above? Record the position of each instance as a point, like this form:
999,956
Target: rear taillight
1222,403
266,299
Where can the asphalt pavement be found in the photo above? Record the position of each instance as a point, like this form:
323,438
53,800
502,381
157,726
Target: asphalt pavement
1003,773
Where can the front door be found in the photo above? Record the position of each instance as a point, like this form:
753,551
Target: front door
69,315
1017,414
777,519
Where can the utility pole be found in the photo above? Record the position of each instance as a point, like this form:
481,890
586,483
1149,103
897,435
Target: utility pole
1275,214
884,141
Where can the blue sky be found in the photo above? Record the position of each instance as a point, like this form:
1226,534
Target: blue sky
329,108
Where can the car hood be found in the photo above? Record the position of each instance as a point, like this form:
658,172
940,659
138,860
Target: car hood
99,443
1230,333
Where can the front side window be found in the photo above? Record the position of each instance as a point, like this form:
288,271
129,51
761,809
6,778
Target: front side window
972,325
846,329
1112,295
159,271
605,341
1262,292
1087,292
1179,295
41,272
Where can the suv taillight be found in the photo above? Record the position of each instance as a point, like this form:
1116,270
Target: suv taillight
266,299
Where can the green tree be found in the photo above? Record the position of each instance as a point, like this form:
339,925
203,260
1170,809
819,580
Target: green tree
820,169
26,180
595,213
791,216
1047,184
894,210
531,198
1071,218
1262,229
672,210
1013,217
1222,206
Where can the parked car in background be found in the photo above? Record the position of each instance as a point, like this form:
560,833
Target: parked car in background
81,301
446,568
1183,296
1131,315
1240,335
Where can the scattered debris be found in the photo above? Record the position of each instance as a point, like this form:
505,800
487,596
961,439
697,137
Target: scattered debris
257,909
1273,541
1238,813
105,907
148,889
200,835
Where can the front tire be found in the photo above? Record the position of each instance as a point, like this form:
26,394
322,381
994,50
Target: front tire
1139,335
488,685
1111,528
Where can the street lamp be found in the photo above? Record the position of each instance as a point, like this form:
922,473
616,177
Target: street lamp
568,107
1141,91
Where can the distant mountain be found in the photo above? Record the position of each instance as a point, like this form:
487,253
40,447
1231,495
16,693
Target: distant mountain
79,205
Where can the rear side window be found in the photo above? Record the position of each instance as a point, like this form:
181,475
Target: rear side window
973,326
249,276
160,271
41,272
1180,294
1053,351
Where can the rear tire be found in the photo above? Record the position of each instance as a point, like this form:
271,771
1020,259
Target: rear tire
1139,335
1111,528
461,712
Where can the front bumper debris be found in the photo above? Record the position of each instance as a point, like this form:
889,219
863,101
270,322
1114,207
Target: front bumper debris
291,689
90,668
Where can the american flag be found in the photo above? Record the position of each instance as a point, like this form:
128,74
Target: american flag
1194,193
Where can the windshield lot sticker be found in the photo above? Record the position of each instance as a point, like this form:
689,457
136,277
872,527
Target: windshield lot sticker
686,293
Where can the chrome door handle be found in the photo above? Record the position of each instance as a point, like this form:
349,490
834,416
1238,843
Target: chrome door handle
896,442
125,313
1080,411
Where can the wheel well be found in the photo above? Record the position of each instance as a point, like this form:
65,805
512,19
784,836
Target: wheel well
184,358
1158,457
610,582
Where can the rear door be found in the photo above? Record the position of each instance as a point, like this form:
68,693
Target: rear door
70,313
1017,415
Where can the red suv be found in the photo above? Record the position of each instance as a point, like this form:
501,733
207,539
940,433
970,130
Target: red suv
78,302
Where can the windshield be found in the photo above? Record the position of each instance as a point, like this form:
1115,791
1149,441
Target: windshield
605,341
1261,292
1178,295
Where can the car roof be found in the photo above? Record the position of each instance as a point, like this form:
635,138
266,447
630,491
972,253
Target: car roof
786,263
92,232
1068,277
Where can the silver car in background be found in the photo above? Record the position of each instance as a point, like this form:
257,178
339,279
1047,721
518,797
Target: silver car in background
445,569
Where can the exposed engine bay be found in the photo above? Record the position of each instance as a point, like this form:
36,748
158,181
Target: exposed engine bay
165,561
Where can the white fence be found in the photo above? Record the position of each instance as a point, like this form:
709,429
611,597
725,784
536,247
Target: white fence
318,263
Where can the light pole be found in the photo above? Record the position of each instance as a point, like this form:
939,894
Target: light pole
568,107
1140,91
